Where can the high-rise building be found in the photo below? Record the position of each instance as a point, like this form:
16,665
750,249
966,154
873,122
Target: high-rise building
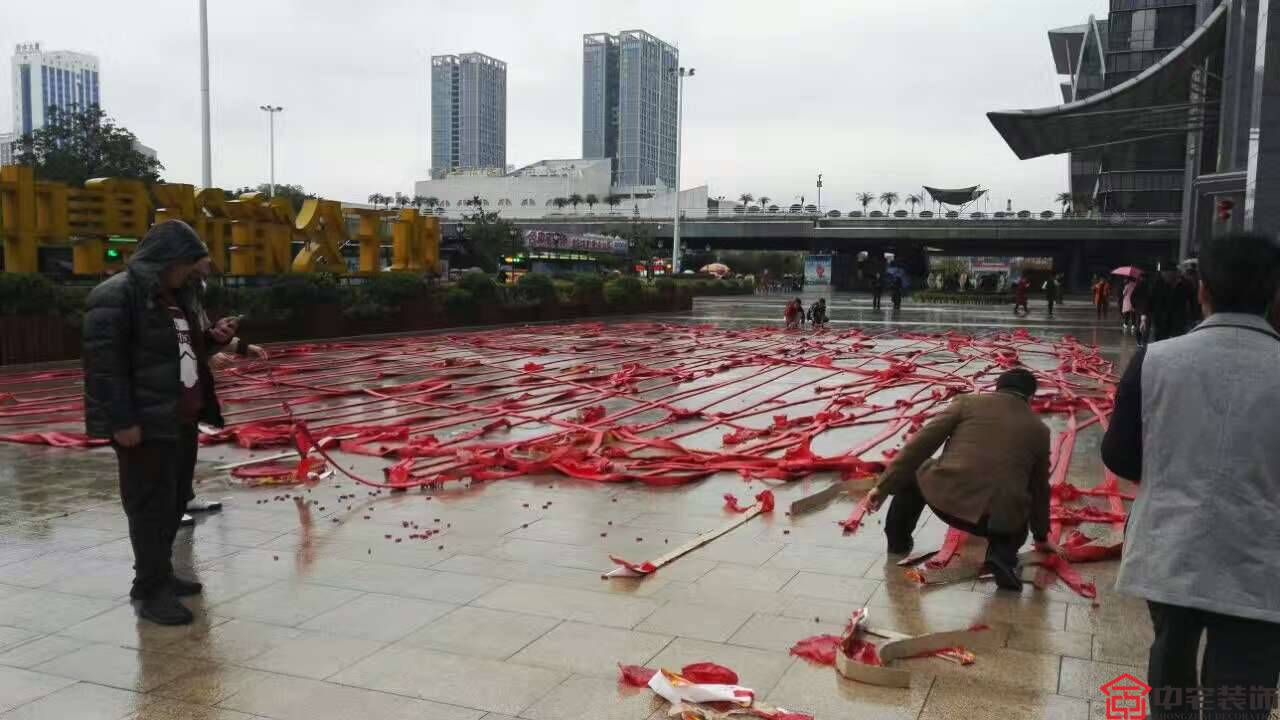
43,80
468,113
630,106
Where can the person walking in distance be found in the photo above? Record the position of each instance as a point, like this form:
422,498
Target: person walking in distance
1051,292
895,289
1020,296
1128,317
146,385
1102,297
992,479
877,290
1194,426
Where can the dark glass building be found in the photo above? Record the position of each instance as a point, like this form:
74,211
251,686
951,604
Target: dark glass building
1188,117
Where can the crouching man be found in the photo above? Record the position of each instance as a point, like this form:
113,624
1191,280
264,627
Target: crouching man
992,479
146,385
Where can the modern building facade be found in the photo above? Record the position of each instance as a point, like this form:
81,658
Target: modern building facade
1143,176
630,106
468,113
1214,98
55,79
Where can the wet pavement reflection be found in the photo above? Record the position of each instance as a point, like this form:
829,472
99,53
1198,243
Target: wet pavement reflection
312,609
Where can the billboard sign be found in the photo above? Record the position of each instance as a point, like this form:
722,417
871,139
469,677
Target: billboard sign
817,270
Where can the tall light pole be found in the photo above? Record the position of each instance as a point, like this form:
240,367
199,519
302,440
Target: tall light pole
206,174
819,193
271,111
681,74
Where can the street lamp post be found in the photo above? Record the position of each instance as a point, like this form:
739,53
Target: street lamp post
819,193
271,111
206,172
681,74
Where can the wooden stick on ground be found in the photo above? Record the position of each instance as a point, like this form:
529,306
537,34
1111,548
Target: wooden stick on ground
690,546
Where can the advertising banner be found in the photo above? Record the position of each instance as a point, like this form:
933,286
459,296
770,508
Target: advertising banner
588,242
817,270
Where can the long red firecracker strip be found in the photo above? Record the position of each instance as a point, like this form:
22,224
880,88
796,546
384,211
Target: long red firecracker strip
397,396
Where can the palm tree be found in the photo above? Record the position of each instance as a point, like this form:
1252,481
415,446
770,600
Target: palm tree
1064,199
591,201
375,199
387,200
417,201
400,199
913,201
612,200
575,200
865,198
764,200
431,201
889,199
745,199
560,202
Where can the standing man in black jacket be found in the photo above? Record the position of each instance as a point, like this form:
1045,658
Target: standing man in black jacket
146,385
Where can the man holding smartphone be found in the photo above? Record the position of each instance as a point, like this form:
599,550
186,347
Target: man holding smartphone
146,385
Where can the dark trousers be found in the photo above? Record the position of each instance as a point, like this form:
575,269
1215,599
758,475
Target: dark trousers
155,486
1104,309
1050,301
909,503
1239,673
875,299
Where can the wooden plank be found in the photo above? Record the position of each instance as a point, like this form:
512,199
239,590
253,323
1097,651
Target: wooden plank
690,546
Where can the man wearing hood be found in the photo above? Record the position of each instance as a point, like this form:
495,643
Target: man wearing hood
146,385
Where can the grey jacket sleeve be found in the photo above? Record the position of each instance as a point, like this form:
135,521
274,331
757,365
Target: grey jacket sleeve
921,447
108,377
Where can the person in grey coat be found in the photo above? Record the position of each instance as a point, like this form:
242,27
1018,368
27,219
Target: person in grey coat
1195,425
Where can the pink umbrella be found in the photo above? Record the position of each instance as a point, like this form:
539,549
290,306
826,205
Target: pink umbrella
1128,271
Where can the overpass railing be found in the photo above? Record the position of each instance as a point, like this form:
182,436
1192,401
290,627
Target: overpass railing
827,219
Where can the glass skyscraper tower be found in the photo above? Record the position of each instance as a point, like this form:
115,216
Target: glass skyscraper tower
43,80
468,113
630,105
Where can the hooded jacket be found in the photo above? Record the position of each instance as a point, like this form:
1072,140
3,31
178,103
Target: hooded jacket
130,354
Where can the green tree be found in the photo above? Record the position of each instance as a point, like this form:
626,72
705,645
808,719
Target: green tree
612,200
1064,199
913,201
745,199
889,199
79,145
591,199
560,202
764,201
575,200
487,236
865,199
401,199
375,199
295,194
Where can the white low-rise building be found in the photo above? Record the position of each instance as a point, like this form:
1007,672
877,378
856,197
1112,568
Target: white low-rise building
532,191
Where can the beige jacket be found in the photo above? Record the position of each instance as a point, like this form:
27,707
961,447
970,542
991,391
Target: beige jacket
995,464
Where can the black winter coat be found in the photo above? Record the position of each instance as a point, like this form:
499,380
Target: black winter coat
130,353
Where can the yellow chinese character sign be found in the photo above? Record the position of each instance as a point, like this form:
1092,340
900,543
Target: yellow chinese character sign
249,235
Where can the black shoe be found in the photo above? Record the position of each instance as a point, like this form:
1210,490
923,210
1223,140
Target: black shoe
1006,577
185,588
163,608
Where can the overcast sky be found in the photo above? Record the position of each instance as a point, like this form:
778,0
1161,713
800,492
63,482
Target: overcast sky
875,95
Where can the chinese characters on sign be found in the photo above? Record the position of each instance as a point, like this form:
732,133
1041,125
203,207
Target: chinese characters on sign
589,242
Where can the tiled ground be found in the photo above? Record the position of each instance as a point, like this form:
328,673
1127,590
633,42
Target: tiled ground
505,616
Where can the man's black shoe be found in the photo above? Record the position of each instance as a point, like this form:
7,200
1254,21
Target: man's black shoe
1006,577
902,548
185,588
163,608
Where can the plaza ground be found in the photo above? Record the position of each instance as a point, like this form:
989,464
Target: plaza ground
504,614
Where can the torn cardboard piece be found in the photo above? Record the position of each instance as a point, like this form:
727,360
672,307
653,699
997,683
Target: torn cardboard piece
850,659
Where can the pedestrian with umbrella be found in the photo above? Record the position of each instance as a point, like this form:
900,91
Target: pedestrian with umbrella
1128,313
